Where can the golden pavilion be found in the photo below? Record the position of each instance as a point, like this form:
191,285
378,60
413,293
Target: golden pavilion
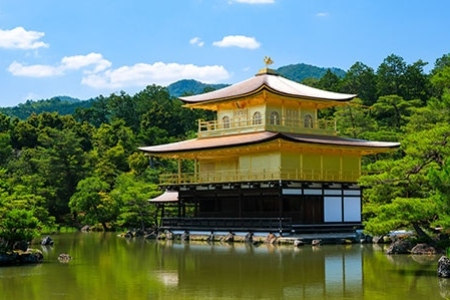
267,162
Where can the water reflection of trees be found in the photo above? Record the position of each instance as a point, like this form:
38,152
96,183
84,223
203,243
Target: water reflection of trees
399,276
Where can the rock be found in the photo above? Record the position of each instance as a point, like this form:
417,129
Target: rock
47,241
128,234
378,239
17,258
249,237
169,235
210,237
7,259
151,236
64,258
423,249
229,238
298,243
400,247
185,236
316,242
443,267
271,238
21,245
85,228
161,236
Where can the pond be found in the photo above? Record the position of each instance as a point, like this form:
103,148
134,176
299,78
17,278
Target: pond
105,266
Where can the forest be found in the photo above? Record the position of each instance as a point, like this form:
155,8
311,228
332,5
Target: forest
85,169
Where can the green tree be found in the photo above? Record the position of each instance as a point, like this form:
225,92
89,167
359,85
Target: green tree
360,79
17,225
133,193
391,76
92,204
399,194
354,119
391,111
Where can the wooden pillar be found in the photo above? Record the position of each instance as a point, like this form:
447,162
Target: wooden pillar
240,205
179,170
195,170
280,207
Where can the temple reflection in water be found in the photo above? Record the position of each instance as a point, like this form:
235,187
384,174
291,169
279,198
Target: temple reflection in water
266,272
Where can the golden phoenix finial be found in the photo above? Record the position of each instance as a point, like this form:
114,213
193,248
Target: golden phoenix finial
268,61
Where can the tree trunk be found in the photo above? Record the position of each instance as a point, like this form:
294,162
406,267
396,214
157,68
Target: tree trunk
420,231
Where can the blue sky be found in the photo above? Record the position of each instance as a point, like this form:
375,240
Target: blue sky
87,48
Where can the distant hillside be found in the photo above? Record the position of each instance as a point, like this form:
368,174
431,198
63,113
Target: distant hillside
191,87
63,105
300,72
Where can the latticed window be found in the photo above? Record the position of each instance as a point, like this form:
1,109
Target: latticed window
226,122
240,117
274,118
292,117
308,121
257,118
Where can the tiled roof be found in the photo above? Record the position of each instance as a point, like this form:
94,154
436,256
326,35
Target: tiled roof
260,137
341,141
167,196
212,142
272,82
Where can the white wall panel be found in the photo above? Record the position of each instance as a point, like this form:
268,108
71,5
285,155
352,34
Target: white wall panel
352,209
332,209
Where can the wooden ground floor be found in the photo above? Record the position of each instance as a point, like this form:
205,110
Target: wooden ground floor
267,206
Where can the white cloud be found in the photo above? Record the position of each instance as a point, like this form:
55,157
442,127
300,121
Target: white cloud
97,72
75,62
141,75
196,41
80,61
238,41
19,38
17,69
322,14
255,1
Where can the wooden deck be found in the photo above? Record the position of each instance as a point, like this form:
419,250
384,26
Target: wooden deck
280,225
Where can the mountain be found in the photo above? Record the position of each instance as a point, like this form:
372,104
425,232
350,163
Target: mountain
297,72
63,105
300,72
191,87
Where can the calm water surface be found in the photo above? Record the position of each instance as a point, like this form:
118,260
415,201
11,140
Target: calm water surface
105,266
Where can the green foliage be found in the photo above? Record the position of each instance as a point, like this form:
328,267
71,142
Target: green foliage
92,203
17,225
399,213
134,193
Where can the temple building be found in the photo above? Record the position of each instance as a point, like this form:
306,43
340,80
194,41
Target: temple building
267,162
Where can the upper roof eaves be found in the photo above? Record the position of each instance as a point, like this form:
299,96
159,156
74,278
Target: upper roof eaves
271,81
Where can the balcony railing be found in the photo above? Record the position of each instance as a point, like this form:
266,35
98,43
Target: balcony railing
217,128
259,175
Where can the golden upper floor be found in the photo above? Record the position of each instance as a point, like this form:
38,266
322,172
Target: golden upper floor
266,102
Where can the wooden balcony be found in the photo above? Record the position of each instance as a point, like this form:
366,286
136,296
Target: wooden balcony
217,128
258,175
228,224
